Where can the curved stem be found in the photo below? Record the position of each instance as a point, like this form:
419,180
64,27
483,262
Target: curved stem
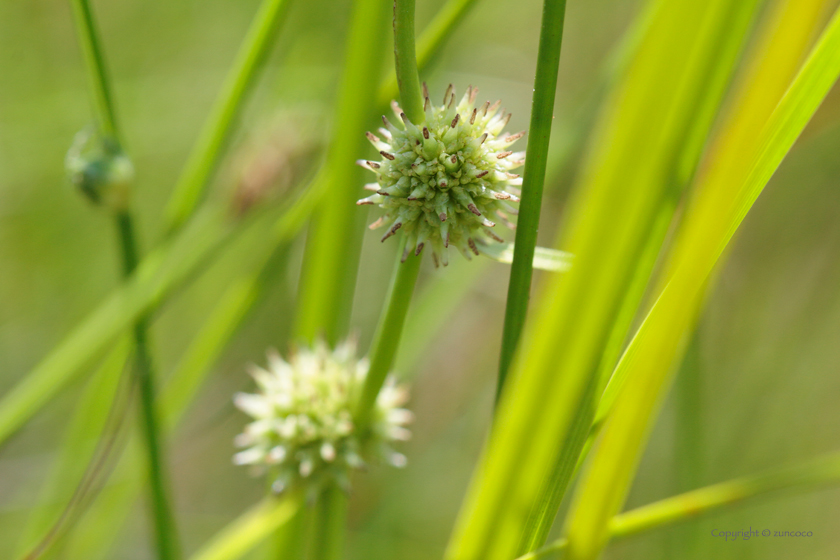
208,149
406,61
542,111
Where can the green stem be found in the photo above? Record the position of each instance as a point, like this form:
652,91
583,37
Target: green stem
107,123
330,519
821,471
406,61
164,522
97,73
207,151
430,43
386,340
542,112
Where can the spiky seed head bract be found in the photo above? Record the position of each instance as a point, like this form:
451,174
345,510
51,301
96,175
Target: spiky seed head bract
302,431
444,181
100,169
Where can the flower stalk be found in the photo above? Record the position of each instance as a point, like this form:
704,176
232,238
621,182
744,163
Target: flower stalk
108,135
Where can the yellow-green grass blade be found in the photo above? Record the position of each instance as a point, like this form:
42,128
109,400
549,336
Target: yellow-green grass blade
718,210
251,528
684,507
789,30
633,162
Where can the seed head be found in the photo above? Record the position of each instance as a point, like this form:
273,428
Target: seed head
303,430
99,168
442,181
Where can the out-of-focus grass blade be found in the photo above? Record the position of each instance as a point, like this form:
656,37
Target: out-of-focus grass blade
159,273
689,505
544,257
635,159
209,147
723,200
333,244
86,429
97,531
249,529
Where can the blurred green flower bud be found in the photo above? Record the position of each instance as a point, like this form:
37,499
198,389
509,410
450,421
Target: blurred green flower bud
441,182
100,169
303,431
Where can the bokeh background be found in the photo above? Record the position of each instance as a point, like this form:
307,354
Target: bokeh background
760,386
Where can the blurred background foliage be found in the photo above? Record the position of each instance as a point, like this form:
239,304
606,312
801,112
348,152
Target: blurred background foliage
759,387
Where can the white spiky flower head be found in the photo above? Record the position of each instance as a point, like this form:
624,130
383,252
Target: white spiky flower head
441,182
302,430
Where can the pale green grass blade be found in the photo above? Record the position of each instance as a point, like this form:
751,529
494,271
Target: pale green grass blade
812,474
208,149
159,273
633,162
544,258
334,243
709,225
97,530
251,528
77,450
162,271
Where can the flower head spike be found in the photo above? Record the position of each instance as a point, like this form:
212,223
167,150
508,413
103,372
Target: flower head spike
442,181
302,430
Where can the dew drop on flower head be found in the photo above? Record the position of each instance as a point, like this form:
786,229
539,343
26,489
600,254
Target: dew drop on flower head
444,182
302,431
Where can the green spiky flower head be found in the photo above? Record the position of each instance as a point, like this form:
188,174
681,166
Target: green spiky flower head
302,431
444,181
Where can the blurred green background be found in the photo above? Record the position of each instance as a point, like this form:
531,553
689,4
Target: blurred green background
760,387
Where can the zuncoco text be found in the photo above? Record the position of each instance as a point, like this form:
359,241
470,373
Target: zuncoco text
750,533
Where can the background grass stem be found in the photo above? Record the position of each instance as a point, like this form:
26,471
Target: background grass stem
161,505
207,151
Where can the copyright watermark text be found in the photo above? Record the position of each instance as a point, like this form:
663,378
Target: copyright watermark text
747,534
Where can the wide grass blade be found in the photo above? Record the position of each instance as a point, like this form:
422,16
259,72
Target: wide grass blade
251,528
331,258
634,162
721,204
